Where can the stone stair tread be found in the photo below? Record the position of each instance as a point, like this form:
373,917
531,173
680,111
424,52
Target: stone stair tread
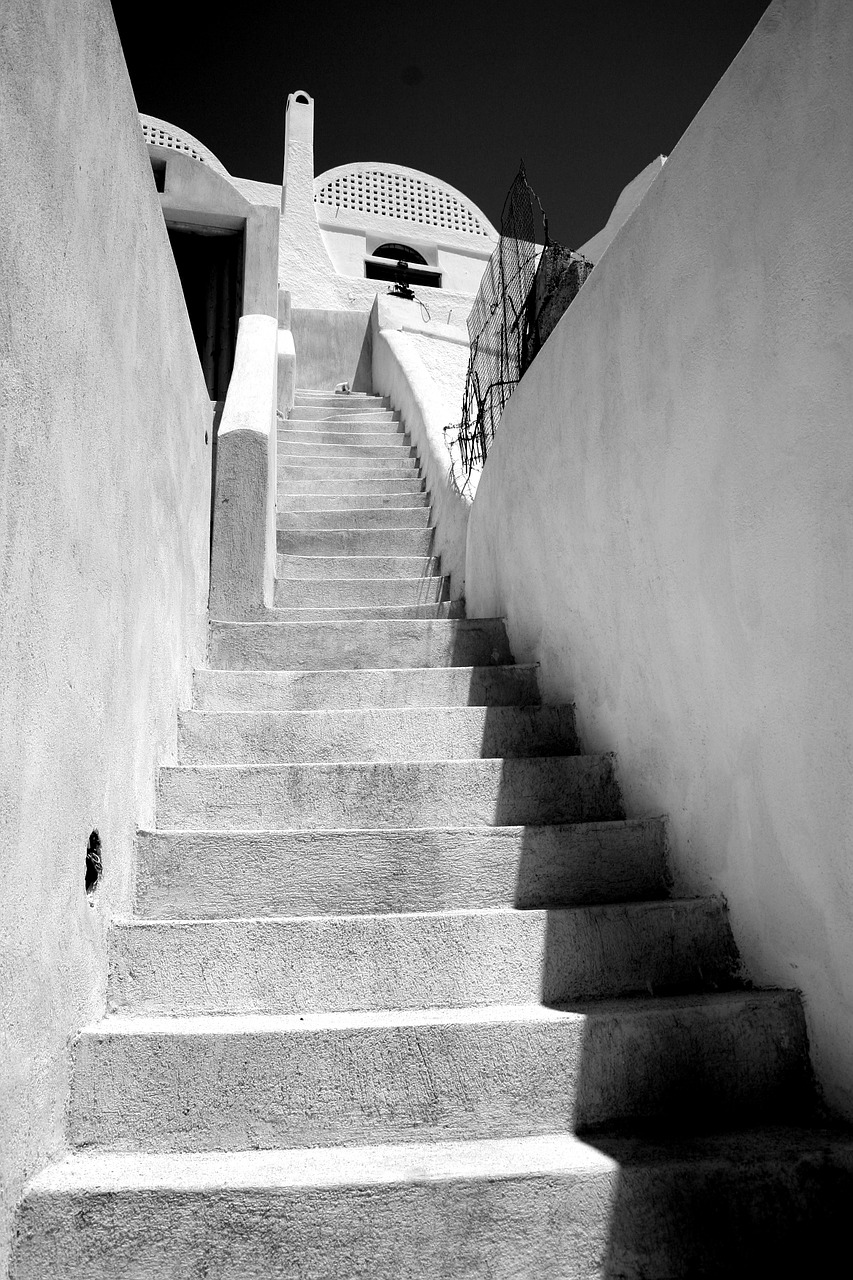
447,959
265,1024
486,1158
183,872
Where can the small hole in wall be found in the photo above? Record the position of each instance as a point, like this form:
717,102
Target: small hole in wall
205,437
94,866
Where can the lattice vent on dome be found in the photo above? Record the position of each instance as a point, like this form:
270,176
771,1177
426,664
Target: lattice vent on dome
387,194
157,137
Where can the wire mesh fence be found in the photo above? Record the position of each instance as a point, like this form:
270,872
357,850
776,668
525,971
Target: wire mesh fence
527,285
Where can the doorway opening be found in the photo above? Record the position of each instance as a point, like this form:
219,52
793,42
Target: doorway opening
210,265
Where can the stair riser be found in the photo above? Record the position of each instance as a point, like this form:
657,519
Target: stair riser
319,690
334,435
214,874
317,487
344,479
408,962
353,796
336,413
394,454
298,646
434,733
386,541
774,1213
358,593
727,1058
368,520
343,567
376,613
354,498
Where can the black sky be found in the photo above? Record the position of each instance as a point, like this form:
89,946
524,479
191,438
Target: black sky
587,94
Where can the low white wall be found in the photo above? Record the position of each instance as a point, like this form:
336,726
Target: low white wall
666,517
424,376
242,560
104,516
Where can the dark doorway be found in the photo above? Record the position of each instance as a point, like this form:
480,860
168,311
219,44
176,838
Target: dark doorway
210,264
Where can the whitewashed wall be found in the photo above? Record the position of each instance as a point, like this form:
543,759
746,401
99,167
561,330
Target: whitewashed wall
666,518
104,508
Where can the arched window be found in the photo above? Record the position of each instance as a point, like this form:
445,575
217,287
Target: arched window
399,253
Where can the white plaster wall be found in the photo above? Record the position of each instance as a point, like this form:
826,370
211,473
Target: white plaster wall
346,250
104,507
666,517
423,373
462,273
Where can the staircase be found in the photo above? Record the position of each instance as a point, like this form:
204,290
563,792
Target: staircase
406,994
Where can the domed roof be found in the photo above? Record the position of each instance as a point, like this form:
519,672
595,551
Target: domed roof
159,133
398,193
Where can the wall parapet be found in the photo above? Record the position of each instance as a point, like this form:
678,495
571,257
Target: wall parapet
242,564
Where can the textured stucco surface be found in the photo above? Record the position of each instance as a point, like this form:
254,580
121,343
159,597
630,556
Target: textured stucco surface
416,961
423,374
183,873
242,564
666,518
104,509
239,1082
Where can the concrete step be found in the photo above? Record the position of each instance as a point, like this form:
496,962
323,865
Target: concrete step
318,481
506,686
215,874
251,1081
394,496
382,540
494,793
299,435
346,566
349,470
762,1202
368,519
359,593
335,413
439,959
300,646
374,733
367,454
372,613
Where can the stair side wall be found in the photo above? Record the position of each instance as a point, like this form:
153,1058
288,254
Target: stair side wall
665,516
104,525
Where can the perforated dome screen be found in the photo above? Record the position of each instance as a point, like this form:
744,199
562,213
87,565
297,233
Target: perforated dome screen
390,191
159,133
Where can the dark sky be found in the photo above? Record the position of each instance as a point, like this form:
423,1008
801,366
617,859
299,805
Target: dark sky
587,94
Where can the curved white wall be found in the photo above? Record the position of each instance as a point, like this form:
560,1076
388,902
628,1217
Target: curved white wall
666,518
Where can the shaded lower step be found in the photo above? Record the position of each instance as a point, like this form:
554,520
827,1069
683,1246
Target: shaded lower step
375,733
296,645
461,958
438,792
226,1083
375,518
214,874
393,687
743,1204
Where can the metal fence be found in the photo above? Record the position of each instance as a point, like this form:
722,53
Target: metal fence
528,283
